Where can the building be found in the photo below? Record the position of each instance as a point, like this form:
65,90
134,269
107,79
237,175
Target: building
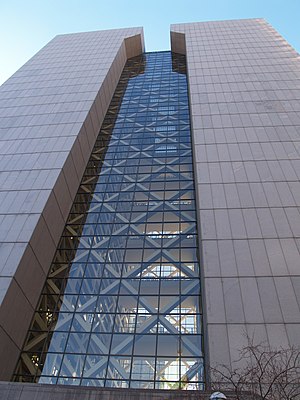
169,236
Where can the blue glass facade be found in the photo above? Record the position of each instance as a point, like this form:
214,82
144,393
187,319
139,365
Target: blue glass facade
122,303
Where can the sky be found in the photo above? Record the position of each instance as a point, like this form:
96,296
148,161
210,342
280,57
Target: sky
27,25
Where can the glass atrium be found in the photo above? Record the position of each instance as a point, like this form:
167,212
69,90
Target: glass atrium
121,306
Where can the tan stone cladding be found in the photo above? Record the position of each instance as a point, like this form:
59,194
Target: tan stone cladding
51,111
244,102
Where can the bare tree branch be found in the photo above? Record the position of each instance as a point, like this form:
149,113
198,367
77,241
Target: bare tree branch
267,373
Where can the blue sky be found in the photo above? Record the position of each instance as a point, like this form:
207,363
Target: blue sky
27,25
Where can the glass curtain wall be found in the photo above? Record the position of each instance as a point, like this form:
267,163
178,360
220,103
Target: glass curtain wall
121,306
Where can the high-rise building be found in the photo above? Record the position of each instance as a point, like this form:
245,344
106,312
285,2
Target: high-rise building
149,206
